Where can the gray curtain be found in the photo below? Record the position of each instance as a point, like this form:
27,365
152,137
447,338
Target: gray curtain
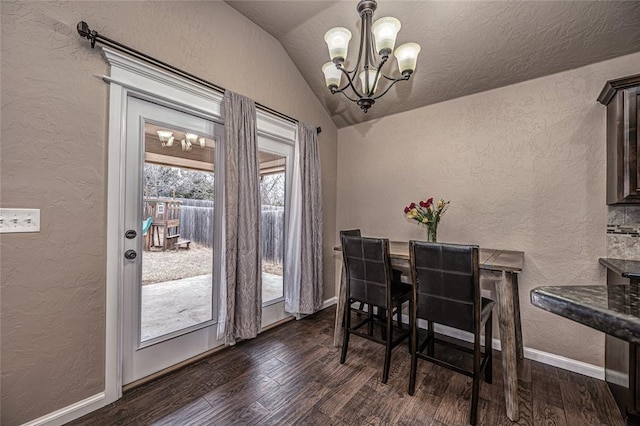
243,242
311,280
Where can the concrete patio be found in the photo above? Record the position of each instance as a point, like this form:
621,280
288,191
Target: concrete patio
173,305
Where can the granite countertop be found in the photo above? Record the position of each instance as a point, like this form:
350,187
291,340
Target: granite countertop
625,268
613,309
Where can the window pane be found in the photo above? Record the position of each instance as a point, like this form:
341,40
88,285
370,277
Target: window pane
272,194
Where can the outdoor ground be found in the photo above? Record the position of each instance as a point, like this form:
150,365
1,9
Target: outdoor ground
162,266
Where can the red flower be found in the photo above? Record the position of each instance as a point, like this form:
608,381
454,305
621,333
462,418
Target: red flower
412,206
423,204
406,210
429,202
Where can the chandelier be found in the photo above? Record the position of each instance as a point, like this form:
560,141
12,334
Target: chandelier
189,140
377,41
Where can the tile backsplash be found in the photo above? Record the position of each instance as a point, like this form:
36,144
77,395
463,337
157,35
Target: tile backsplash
623,232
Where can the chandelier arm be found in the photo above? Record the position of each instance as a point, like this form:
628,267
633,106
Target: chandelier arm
390,86
348,97
349,83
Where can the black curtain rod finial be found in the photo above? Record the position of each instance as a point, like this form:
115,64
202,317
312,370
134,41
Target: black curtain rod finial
85,32
319,130
83,29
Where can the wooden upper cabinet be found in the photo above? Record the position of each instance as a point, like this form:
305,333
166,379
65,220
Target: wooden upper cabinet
622,99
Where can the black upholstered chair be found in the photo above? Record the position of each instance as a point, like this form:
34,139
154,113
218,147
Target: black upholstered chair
447,291
369,279
397,275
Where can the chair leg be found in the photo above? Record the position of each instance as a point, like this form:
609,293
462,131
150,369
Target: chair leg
413,348
488,340
360,308
474,400
411,324
370,323
387,352
475,392
431,337
347,327
382,317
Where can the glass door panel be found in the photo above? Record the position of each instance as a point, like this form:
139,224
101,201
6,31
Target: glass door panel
272,197
177,259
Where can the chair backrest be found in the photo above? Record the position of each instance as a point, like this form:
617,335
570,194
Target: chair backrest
351,233
446,283
368,269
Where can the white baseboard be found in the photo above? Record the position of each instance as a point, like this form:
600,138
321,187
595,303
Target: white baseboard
554,360
329,302
565,363
70,412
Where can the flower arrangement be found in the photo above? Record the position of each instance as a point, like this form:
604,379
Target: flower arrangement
428,214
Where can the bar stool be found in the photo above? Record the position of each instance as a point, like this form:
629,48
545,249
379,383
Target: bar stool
369,280
447,291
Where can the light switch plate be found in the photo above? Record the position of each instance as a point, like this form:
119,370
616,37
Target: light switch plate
19,220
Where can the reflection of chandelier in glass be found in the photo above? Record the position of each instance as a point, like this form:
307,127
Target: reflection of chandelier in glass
384,31
166,139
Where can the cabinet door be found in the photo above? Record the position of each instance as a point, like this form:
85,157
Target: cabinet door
631,135
623,156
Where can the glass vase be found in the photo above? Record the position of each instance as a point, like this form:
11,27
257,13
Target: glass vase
432,233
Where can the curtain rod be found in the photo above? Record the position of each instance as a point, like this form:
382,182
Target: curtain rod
85,32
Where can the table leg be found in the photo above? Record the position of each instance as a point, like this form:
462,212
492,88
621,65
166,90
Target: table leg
338,330
505,293
516,306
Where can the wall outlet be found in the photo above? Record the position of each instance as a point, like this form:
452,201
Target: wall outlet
19,220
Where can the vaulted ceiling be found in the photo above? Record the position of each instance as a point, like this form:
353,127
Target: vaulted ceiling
467,46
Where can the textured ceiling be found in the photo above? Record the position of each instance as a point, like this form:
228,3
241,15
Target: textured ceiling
467,46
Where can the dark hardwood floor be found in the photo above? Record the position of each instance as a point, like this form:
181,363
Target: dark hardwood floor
292,375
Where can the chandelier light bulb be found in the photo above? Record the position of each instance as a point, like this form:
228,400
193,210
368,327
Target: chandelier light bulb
337,40
166,137
407,56
385,31
191,137
332,75
372,82
186,145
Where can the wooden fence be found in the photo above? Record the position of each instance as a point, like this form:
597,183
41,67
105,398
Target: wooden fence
196,224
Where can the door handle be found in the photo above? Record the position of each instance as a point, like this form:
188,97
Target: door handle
130,254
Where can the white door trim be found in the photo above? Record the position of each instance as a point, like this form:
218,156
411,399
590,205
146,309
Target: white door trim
128,76
131,76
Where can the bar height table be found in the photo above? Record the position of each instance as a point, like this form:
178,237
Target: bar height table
507,262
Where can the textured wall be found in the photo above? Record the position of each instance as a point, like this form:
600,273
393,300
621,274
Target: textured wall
53,157
524,168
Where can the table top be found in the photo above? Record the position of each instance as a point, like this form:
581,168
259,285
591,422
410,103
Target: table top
490,259
613,309
623,267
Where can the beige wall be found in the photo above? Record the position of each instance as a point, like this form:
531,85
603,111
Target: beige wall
53,157
524,168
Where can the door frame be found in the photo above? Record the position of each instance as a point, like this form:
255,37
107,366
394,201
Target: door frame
129,76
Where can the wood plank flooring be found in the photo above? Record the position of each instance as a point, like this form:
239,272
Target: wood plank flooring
291,375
